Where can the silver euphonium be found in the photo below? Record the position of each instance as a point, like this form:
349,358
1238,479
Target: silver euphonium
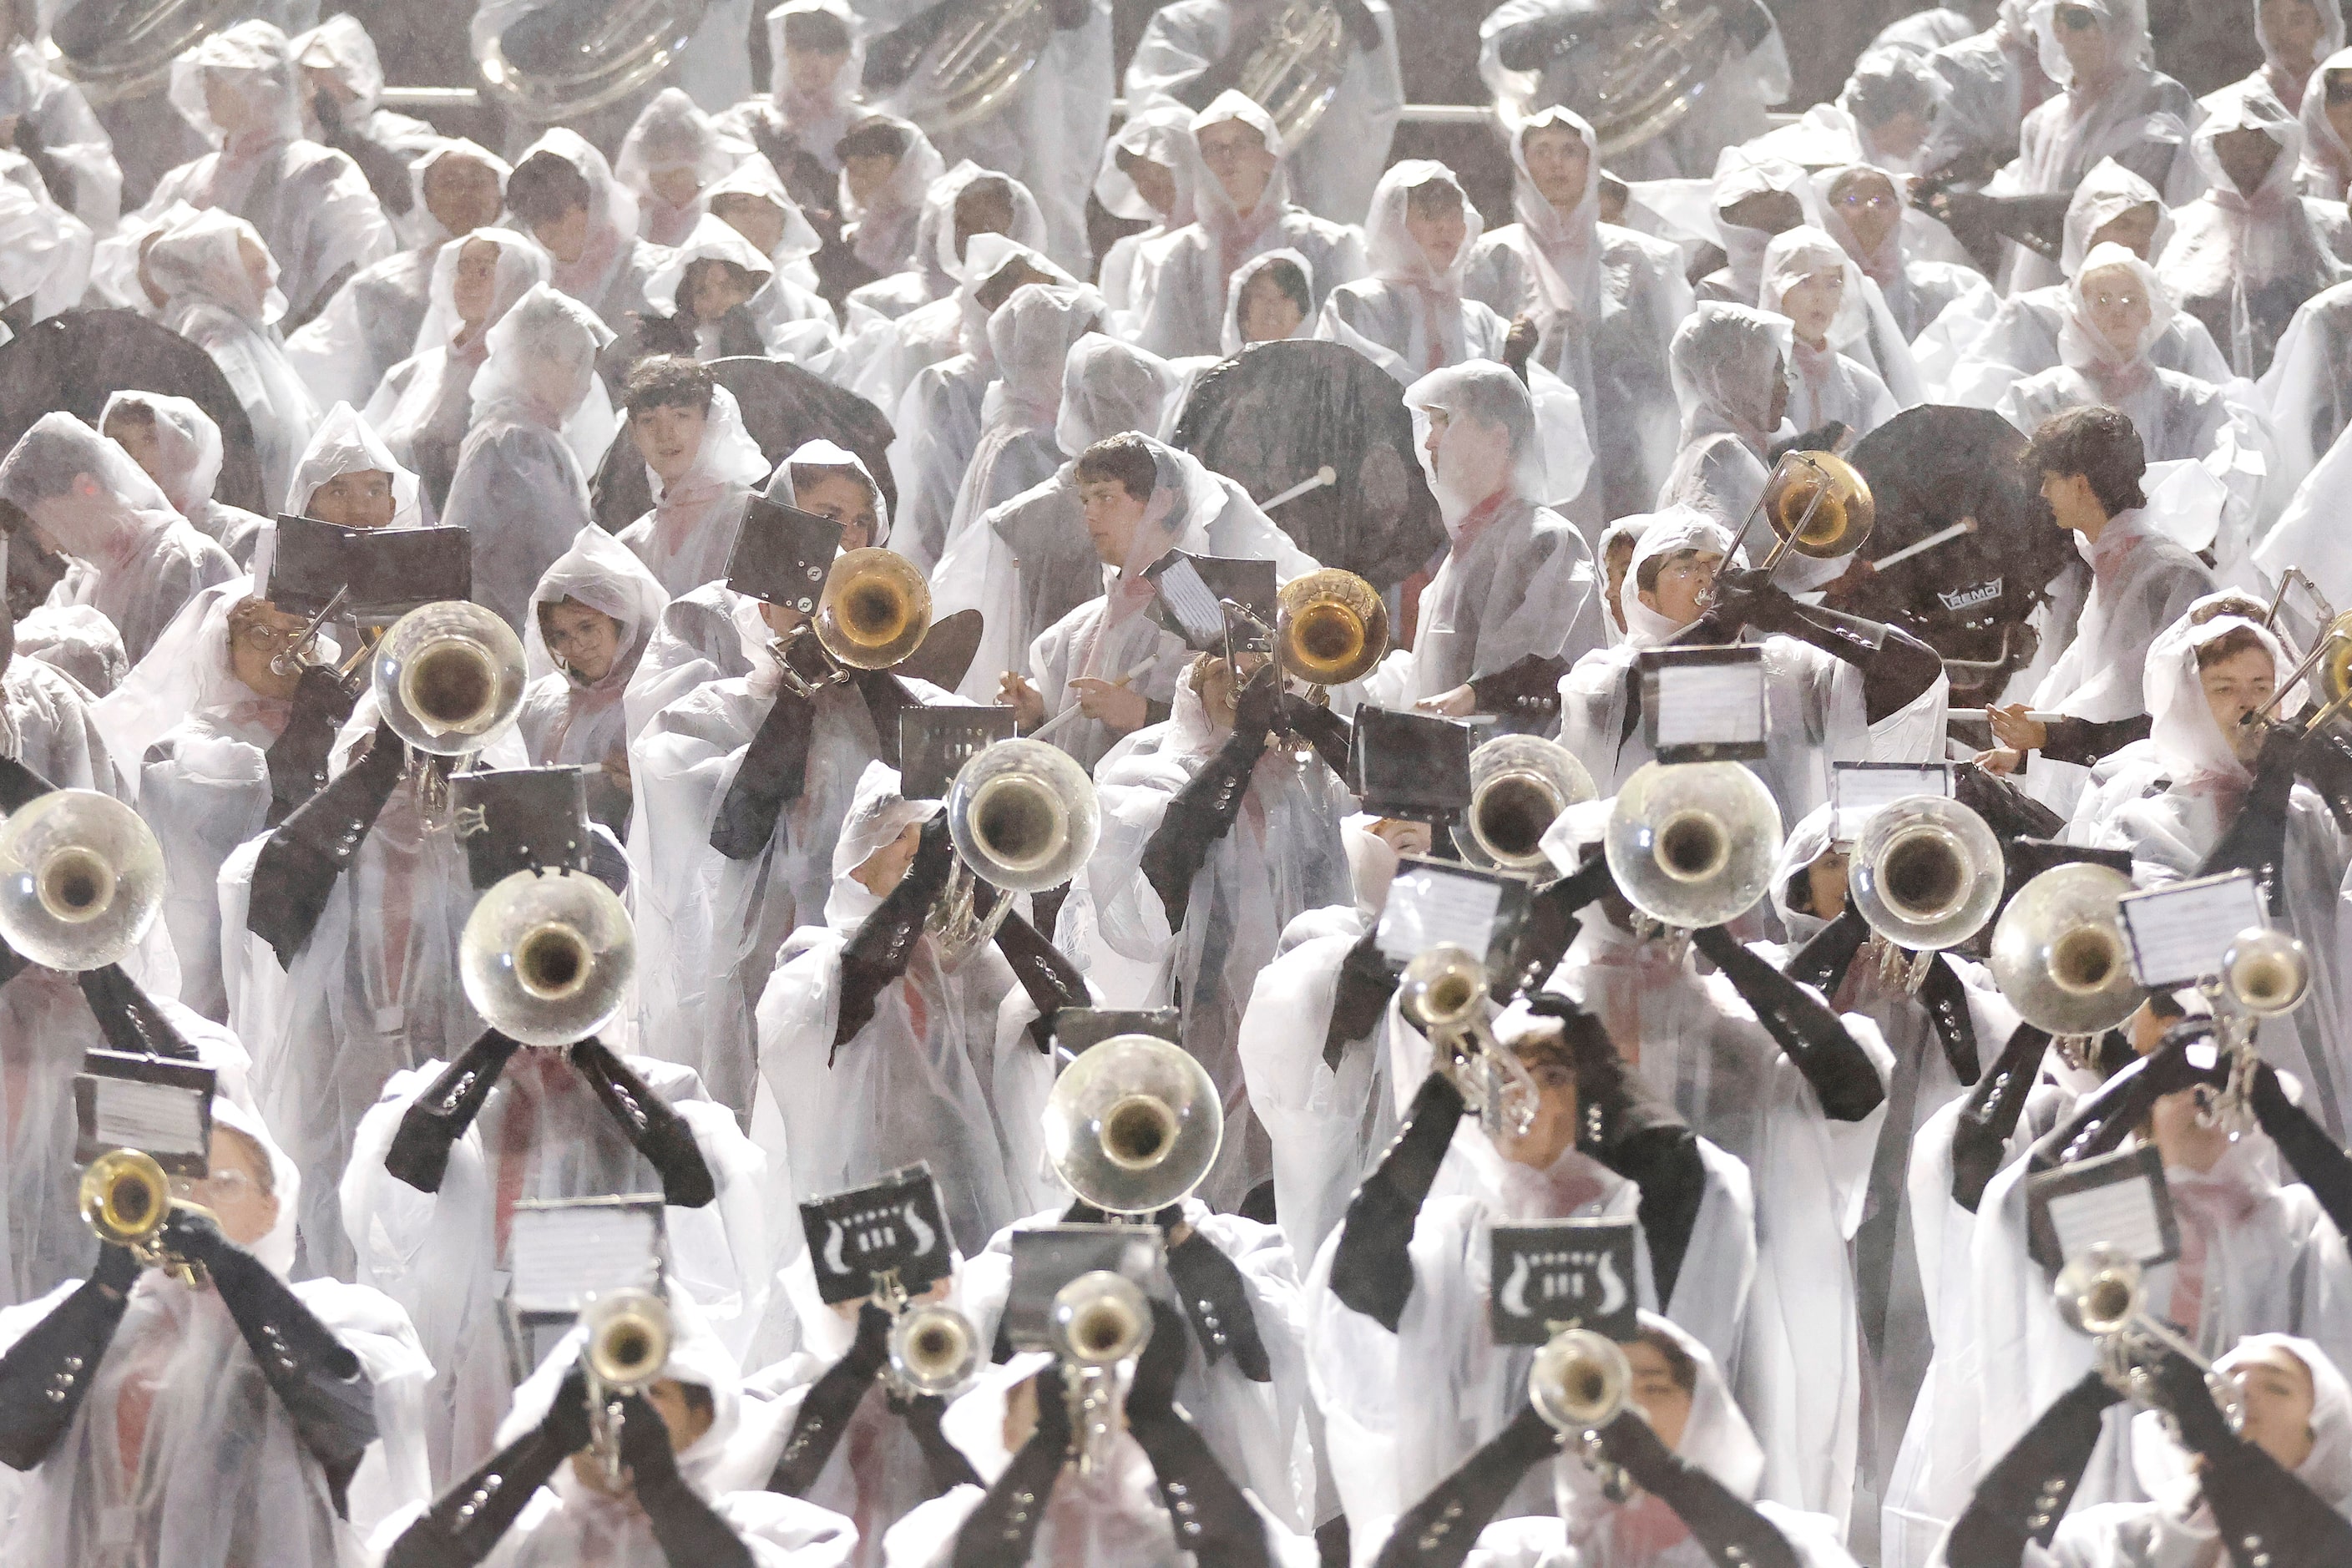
1099,1320
629,1341
1024,819
546,956
2058,952
1693,844
1133,1124
1296,69
1444,993
1927,875
81,879
1518,787
575,56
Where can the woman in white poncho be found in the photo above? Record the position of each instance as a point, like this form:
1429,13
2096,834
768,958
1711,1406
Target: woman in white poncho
590,617
180,447
667,157
518,487
1731,369
137,559
1149,166
943,1070
1810,279
1867,211
701,478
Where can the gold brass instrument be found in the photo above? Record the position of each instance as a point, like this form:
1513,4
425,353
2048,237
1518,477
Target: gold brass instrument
1693,844
1133,1124
1330,626
1818,505
2324,610
2101,1292
546,956
2330,661
875,609
449,677
1444,993
1635,79
588,54
1024,819
1518,787
933,1351
125,1197
1100,1319
81,879
1927,873
981,54
629,1341
2058,952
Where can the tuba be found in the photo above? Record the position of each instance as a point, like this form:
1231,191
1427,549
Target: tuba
1693,844
546,956
574,57
955,63
1330,626
449,677
1927,873
81,879
1133,1124
629,1341
1444,993
1518,787
2058,952
933,1351
1296,69
1635,73
114,49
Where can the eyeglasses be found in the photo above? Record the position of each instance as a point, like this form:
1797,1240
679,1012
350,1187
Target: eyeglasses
1854,200
268,638
218,1190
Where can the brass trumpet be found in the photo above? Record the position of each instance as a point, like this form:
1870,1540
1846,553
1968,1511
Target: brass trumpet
2102,1292
1444,993
125,1199
1580,1381
1330,626
933,1350
1518,787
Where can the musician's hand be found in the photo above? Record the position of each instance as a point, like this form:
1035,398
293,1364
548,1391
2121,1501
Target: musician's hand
616,768
1122,708
566,1422
1254,709
2001,760
1028,704
1458,703
1520,343
2015,730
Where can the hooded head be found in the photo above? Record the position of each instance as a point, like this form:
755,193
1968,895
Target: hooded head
476,282
543,358
1675,1373
2089,44
563,194
600,574
2298,1410
671,153
1671,565
2115,310
81,490
751,199
1243,182
2201,677
1727,362
374,490
2295,35
1031,336
1863,209
460,185
1756,198
964,202
1149,167
816,55
1895,97
236,87
1422,226
823,477
716,269
1109,387
1809,278
339,52
172,438
2113,204
878,814
1474,431
191,669
2326,147
1268,298
215,258
2249,151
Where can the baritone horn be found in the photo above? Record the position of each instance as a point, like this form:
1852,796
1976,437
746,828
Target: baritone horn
1693,844
449,677
1518,787
2059,951
578,55
1024,815
546,956
875,609
967,61
933,1350
1444,993
81,879
1580,1381
1926,872
1133,1124
1330,626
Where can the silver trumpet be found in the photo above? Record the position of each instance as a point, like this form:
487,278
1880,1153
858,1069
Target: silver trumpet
2265,973
1444,995
1099,1321
934,1349
1579,1382
2101,1292
629,1339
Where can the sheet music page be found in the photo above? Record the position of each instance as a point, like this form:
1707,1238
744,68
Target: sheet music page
2179,934
1189,600
1717,703
563,1254
1857,790
1428,907
2118,1214
163,1118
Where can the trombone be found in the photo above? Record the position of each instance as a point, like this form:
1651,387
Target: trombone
1330,627
2331,658
1818,504
874,611
1444,993
629,1341
126,1199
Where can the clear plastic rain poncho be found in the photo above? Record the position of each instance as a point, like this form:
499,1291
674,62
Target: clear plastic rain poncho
187,462
609,274
1605,301
88,500
566,720
1160,134
936,267
816,115
309,203
2176,1528
1740,278
1836,381
1336,167
2135,115
2282,79
1983,345
212,298
1409,316
371,323
340,48
787,311
669,154
2310,391
1727,359
518,484
77,640
198,739
344,444
1726,110
1108,634
1282,857
425,403
1518,578
885,229
1402,1410
1915,288
685,540
220,1473
2326,170
728,1467
2243,262
541,1135
1182,277
937,1075
46,253
1991,80
72,140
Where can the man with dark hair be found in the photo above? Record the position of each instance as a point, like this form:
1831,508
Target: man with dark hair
543,192
703,464
2089,462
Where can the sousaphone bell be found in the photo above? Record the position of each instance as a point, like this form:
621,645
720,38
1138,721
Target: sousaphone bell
81,879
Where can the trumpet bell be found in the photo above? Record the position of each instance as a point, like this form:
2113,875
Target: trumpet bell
629,1339
546,956
1024,815
1133,1124
1101,1319
933,1350
1518,787
81,879
125,1197
2265,972
449,677
1443,989
1580,1381
1836,495
1693,844
1926,872
1330,626
875,609
2059,954
2099,1290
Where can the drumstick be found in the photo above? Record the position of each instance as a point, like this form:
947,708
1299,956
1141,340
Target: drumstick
1326,475
1942,536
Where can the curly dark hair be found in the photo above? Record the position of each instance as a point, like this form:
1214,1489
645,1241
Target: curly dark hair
2102,446
544,188
1126,457
668,381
